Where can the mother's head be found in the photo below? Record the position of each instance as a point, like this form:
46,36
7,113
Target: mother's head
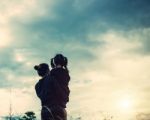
42,69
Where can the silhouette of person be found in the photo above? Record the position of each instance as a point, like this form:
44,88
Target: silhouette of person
52,88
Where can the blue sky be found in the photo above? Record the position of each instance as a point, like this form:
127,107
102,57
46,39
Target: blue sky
107,44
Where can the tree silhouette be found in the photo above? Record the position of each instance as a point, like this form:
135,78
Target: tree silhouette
28,116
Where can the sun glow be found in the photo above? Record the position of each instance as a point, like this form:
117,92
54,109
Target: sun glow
5,38
19,57
126,104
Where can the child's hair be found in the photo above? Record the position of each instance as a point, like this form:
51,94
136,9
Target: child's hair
59,59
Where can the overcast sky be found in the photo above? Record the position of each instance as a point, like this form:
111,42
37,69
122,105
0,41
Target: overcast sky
107,44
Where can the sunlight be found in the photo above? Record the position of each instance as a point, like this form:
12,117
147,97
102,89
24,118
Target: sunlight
5,38
5,42
126,104
19,57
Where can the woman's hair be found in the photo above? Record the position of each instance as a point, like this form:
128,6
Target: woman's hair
59,59
42,69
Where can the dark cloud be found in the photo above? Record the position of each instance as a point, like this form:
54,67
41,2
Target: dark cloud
75,20
125,13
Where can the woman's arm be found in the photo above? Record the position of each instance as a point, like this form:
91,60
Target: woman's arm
38,89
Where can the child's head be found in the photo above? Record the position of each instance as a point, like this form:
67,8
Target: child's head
59,60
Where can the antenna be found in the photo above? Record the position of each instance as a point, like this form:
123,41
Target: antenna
10,105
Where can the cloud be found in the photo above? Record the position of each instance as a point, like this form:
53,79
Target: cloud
118,71
128,14
105,13
142,36
23,10
143,116
79,14
6,37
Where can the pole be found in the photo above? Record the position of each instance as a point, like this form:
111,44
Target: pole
10,106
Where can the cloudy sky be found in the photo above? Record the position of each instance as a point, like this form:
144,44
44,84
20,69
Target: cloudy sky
107,44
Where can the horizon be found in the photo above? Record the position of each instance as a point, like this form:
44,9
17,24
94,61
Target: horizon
107,45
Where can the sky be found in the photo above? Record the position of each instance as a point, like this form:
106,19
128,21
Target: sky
107,45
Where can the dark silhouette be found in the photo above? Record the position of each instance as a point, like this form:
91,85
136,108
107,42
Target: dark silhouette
29,116
52,88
